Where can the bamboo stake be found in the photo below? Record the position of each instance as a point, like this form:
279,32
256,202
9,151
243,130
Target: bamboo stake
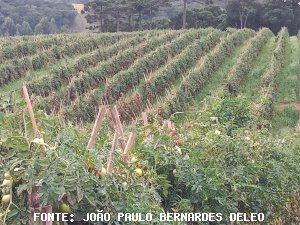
129,145
96,128
29,107
111,154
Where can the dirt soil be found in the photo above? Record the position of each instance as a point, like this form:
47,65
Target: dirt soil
282,106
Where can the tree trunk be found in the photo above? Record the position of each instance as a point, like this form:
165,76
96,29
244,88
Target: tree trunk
140,20
101,19
184,14
130,22
118,21
246,19
241,20
151,19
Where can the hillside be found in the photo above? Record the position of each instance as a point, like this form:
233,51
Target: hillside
198,120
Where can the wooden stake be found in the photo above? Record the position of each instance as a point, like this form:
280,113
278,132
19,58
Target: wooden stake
47,210
129,145
111,154
164,126
118,121
96,128
171,125
29,107
145,118
118,126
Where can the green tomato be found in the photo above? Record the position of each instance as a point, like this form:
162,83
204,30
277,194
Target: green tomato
6,190
5,199
7,176
64,208
7,183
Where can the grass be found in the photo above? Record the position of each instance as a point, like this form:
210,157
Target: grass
16,84
284,120
288,90
251,84
289,81
216,81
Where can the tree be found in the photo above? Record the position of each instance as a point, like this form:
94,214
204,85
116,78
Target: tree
101,13
95,13
26,28
153,6
42,27
184,14
9,27
19,30
139,7
184,11
116,9
38,29
282,13
239,12
52,26
210,16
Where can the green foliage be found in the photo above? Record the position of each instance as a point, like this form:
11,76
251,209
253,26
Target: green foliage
63,74
51,51
219,171
193,83
32,12
210,16
8,27
126,80
269,83
112,15
95,76
245,60
216,161
60,165
26,28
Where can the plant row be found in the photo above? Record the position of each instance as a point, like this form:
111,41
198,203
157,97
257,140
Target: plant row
164,78
95,77
245,60
194,82
61,76
126,80
32,45
28,47
19,67
269,83
167,51
99,75
157,84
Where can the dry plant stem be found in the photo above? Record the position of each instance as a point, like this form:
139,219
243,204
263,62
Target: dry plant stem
96,128
111,154
29,106
129,145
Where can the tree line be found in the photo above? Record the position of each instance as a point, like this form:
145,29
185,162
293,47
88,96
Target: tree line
129,15
45,26
26,17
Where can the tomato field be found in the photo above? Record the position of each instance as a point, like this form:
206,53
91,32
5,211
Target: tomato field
185,121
